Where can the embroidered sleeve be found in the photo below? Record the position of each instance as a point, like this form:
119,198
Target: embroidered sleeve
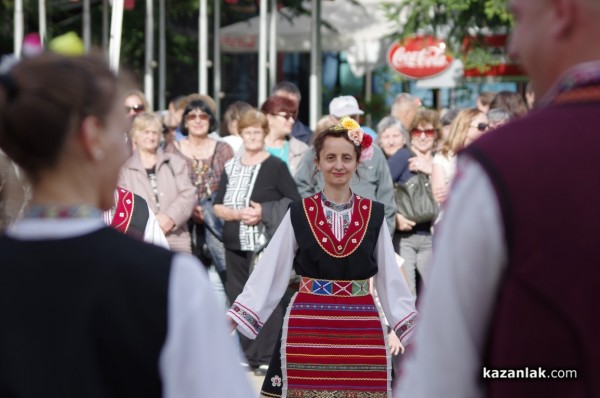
267,283
395,297
405,328
247,320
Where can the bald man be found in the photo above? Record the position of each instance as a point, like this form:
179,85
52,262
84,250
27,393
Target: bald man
511,309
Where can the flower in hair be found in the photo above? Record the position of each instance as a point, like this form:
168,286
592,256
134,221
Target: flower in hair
348,123
366,141
357,136
367,152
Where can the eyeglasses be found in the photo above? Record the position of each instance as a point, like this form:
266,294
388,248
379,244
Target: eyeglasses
418,132
285,115
138,108
192,116
481,126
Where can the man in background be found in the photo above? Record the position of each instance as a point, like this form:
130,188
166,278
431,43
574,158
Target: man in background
347,105
289,90
405,108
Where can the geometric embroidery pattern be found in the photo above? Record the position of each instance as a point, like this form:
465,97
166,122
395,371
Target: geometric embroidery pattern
334,288
246,316
321,230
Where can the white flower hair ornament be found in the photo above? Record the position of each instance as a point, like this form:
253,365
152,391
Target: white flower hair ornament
357,136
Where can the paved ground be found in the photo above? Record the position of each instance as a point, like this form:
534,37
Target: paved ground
256,382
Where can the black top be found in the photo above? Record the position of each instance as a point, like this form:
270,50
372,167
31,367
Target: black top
273,182
82,317
313,262
139,218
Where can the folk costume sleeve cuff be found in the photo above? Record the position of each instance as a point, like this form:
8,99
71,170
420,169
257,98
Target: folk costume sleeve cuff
395,297
267,283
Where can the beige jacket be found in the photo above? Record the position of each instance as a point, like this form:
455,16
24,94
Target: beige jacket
176,194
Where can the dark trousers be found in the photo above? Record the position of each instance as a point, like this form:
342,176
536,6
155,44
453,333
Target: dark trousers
258,352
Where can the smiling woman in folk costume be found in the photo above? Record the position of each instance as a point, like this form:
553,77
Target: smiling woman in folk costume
333,339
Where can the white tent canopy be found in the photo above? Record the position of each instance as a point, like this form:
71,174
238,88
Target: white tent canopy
357,29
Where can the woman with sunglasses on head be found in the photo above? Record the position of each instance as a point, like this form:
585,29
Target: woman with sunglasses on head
333,342
413,240
281,114
136,103
468,125
86,310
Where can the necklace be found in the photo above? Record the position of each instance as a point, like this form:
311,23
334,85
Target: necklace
336,206
200,170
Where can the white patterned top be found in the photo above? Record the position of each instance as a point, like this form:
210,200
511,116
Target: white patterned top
241,180
338,215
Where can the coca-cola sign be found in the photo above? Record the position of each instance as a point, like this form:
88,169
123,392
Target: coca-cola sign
419,57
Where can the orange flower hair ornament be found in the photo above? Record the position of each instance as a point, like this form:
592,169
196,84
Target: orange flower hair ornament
357,136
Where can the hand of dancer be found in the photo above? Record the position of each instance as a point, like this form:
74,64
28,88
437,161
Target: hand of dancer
396,346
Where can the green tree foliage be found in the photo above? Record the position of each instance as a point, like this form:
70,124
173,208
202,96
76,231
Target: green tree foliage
454,21
181,31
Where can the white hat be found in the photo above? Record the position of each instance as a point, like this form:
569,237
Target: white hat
344,105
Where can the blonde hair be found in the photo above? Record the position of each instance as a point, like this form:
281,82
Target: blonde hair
253,117
458,131
143,121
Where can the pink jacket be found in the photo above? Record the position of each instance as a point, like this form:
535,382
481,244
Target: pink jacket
176,194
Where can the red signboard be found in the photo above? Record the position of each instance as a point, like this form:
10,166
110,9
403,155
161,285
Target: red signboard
419,57
503,67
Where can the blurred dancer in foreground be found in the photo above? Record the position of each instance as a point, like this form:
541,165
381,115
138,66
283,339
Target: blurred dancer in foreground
82,316
518,290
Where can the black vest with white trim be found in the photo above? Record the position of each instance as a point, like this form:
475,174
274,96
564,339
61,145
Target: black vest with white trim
355,259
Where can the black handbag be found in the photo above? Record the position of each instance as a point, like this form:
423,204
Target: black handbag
414,199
